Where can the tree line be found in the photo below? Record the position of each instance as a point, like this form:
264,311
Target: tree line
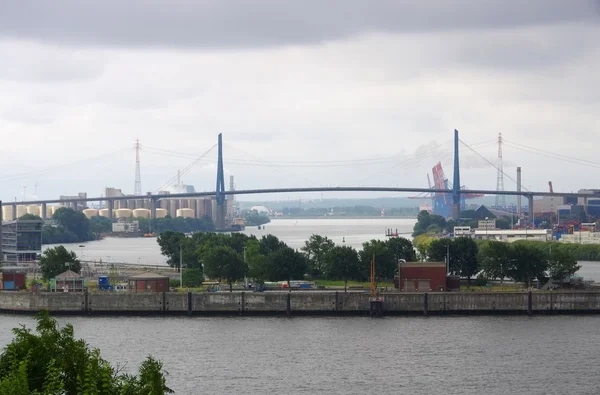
72,226
231,257
520,261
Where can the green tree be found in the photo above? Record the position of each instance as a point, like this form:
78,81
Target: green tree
315,249
30,217
192,277
287,264
497,259
260,267
170,243
270,244
529,263
385,263
428,223
224,263
253,218
561,264
73,221
56,260
402,248
342,263
437,251
52,361
464,251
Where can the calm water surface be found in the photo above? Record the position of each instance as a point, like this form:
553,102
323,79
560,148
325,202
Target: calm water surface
313,355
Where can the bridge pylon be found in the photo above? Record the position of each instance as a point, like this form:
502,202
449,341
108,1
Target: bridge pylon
456,181
220,190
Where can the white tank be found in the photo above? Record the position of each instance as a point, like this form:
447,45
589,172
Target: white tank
90,212
34,210
161,213
141,213
103,212
21,211
7,213
123,213
185,213
50,211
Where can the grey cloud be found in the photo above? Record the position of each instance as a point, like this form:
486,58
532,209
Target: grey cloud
215,24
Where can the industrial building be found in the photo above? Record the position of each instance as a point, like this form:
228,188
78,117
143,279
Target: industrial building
21,240
148,282
422,276
77,205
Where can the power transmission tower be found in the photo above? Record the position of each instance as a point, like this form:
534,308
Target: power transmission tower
500,199
137,189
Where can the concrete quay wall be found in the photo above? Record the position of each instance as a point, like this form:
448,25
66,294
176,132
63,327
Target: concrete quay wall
300,303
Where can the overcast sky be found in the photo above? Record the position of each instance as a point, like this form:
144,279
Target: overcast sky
307,93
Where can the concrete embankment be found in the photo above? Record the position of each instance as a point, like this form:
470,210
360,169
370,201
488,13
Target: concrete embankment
299,303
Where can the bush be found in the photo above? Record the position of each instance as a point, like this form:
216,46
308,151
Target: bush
481,280
174,282
192,277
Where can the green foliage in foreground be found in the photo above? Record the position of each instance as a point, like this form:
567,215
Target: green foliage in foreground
52,361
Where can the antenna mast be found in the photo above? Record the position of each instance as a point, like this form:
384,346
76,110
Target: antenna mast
137,190
500,199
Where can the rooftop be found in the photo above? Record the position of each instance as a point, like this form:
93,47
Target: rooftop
148,276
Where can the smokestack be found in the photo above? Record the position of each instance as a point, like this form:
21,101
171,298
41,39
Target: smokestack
518,190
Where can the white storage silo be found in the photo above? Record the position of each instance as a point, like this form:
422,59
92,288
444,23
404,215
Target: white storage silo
103,212
34,210
123,213
141,213
185,213
7,213
161,213
21,211
91,212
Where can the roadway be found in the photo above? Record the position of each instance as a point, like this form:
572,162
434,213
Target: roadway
302,190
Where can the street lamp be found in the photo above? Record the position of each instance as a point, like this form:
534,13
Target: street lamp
180,266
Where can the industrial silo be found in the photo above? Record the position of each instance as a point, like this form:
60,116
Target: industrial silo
123,213
21,211
7,213
103,212
141,213
34,210
185,213
90,212
161,213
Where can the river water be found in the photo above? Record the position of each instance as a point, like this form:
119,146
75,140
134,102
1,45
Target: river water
359,355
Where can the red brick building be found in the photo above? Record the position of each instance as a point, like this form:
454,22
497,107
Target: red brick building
149,282
422,276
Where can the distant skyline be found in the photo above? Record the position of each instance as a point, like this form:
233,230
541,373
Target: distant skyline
306,94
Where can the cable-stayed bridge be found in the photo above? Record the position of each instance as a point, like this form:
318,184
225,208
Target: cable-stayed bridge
219,193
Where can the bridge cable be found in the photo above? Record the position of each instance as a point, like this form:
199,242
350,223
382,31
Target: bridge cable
272,166
552,155
492,164
185,170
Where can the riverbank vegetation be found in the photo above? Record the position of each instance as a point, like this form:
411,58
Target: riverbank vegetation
231,257
51,361
436,224
254,218
71,226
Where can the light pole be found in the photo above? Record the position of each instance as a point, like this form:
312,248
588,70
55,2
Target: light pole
245,277
180,266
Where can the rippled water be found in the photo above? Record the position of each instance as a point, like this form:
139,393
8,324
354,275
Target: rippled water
313,355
